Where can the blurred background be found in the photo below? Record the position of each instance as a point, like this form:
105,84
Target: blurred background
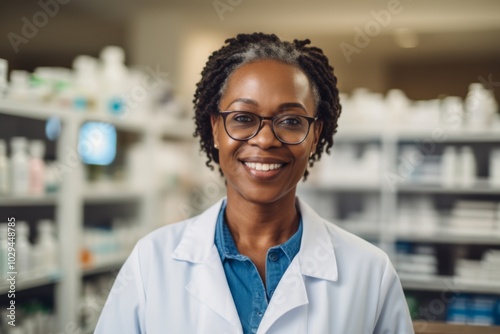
96,145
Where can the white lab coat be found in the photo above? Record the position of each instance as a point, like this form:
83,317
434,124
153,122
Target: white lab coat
174,283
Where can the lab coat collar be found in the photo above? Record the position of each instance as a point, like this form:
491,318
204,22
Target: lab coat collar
316,256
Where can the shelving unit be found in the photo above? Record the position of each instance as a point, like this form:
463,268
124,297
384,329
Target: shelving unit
74,194
390,187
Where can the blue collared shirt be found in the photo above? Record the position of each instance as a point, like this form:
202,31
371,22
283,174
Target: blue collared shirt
250,295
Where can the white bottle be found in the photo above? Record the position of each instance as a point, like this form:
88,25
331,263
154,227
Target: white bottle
4,269
4,169
46,249
24,251
19,163
480,105
468,167
495,168
37,167
86,83
449,164
114,80
19,88
4,66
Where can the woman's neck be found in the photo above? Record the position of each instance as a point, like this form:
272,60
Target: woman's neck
261,225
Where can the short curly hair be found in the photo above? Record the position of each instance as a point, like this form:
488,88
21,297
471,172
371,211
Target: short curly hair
247,48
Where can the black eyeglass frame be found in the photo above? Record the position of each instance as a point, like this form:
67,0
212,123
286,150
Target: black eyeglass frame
309,119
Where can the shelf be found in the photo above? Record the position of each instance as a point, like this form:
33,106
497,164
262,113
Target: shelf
31,110
30,284
363,133
449,284
126,124
358,186
103,267
481,187
447,135
110,194
28,200
426,327
452,237
177,129
358,133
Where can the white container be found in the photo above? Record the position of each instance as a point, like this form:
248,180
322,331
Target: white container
481,107
24,251
37,167
4,169
4,66
449,170
19,88
468,167
86,83
4,269
114,80
46,249
19,163
495,168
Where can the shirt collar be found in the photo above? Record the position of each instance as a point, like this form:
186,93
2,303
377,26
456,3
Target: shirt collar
227,248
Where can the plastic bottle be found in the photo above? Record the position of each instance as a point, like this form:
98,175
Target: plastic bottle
481,106
114,80
495,168
19,162
469,167
3,251
19,88
37,167
24,250
86,83
449,167
4,66
4,169
46,249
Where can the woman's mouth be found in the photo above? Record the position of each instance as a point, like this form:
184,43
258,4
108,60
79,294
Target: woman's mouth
258,166
263,170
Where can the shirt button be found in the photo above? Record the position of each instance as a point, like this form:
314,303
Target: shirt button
254,330
273,257
259,314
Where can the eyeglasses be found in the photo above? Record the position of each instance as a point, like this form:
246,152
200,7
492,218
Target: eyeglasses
288,128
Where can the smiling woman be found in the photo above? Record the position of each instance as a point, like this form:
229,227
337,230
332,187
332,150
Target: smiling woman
260,260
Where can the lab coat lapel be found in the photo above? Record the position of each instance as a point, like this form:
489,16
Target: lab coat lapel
316,258
290,294
209,285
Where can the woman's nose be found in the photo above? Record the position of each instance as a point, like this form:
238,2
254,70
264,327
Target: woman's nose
265,138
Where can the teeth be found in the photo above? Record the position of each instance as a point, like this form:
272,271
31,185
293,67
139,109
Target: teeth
261,166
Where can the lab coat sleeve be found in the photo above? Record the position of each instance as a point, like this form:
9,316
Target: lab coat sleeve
124,309
394,316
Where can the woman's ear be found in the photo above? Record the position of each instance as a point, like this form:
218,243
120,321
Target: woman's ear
318,127
215,119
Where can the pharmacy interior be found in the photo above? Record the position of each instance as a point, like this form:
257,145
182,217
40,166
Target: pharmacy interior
97,147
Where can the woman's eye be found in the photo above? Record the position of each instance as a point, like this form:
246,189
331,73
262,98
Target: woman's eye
291,121
242,119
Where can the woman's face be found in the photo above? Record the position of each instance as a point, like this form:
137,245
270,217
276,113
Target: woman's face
266,88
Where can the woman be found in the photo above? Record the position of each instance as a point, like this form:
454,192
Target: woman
260,260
